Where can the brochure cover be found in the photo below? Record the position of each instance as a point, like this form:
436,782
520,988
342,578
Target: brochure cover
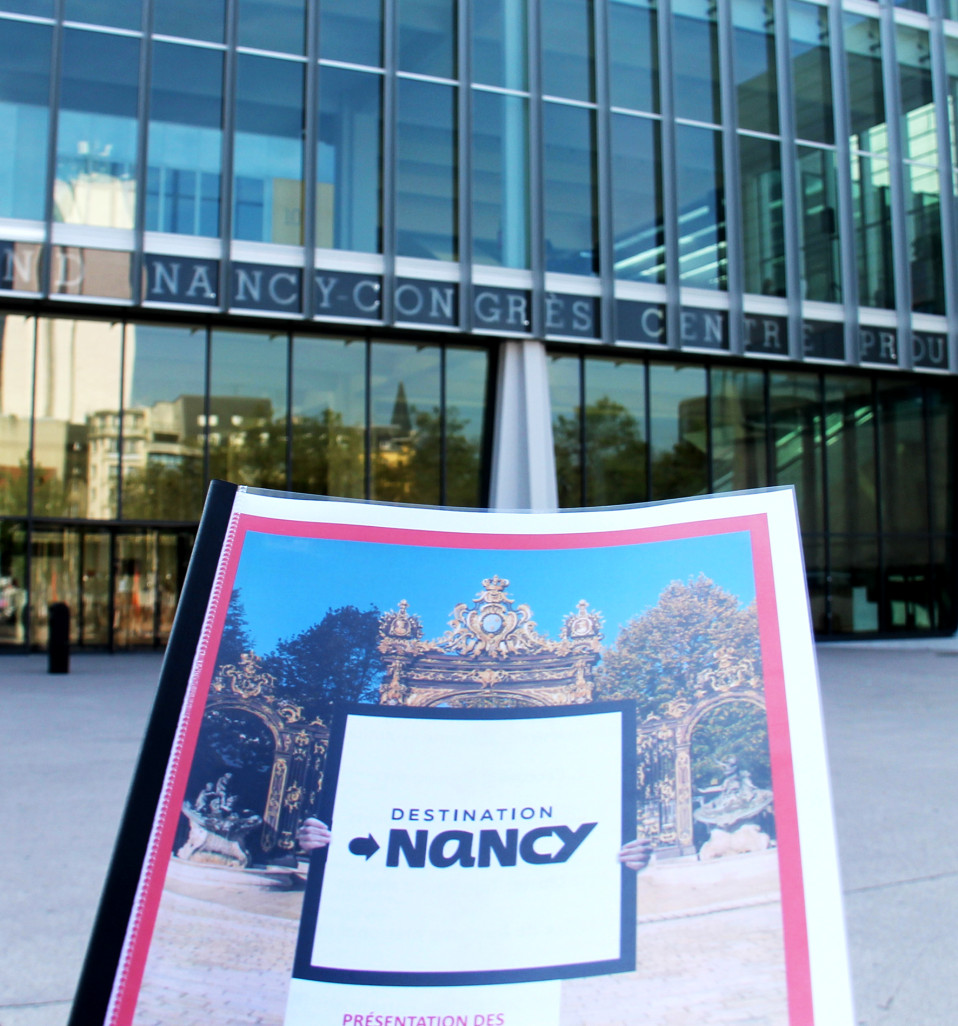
422,767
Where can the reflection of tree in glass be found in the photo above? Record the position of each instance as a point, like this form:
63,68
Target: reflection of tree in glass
615,455
328,456
680,471
164,491
697,633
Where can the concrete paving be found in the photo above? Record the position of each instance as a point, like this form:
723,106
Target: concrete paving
68,745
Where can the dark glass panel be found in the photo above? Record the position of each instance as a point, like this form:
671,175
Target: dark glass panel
904,479
941,457
923,224
268,150
405,428
329,417
467,374
164,419
569,200
908,576
696,81
278,25
637,210
634,54
616,450
185,140
866,92
819,250
756,81
816,576
500,179
871,199
566,406
850,455
190,20
499,43
701,195
96,145
568,49
919,139
24,117
77,418
351,30
246,424
943,578
913,5
853,584
427,37
809,47
427,219
679,430
796,421
349,161
763,229
16,388
126,14
739,447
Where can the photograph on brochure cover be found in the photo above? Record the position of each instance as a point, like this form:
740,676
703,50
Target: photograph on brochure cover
498,717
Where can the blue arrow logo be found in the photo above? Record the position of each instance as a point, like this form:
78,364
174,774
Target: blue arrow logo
364,846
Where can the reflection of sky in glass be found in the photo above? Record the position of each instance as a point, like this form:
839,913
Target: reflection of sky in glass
288,584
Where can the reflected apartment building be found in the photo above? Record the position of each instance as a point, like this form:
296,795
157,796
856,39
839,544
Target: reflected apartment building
508,252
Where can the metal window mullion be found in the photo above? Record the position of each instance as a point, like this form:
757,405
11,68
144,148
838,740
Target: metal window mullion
311,145
603,159
846,204
56,74
390,177
823,470
207,385
880,504
648,430
464,171
368,415
120,429
670,200
730,157
227,183
536,171
790,180
289,410
583,433
897,171
443,476
142,154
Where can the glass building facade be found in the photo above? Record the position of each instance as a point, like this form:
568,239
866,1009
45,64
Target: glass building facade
291,243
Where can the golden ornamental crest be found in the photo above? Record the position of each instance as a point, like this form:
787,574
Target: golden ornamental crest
248,679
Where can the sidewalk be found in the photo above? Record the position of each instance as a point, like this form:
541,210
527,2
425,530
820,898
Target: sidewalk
68,745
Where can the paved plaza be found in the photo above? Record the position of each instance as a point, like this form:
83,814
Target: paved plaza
68,744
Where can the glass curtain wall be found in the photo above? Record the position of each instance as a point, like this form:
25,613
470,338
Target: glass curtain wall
869,459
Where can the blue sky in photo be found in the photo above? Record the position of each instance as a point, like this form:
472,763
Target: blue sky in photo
288,584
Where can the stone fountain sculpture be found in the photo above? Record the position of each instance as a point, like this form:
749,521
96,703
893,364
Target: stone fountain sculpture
217,832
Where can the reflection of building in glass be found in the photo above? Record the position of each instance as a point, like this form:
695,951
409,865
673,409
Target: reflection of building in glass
415,256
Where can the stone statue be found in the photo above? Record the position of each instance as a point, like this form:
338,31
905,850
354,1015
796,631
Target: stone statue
732,812
217,833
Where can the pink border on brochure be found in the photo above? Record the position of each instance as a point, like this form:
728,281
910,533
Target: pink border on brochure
797,966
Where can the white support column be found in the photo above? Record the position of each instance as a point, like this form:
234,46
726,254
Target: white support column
523,460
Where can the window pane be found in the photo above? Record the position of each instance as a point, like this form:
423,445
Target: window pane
126,14
164,423
907,583
763,231
923,224
616,450
819,251
679,426
500,179
246,427
637,211
426,193
871,198
951,55
567,427
186,109
696,82
77,397
351,30
16,388
739,451
634,54
268,154
405,433
919,140
467,373
96,145
499,43
866,93
796,421
349,161
901,438
329,417
755,78
24,118
278,25
850,455
568,49
570,204
190,20
427,37
941,452
811,71
853,584
700,186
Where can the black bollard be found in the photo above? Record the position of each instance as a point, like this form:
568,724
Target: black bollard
58,646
